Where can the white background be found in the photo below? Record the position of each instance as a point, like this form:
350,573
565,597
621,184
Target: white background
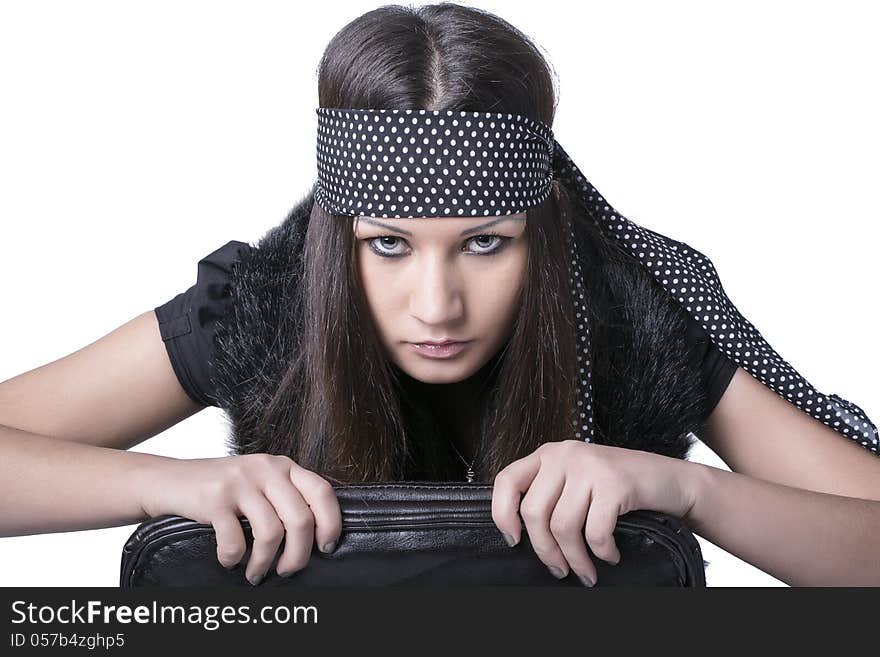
137,138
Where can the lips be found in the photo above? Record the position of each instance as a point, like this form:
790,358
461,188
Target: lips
441,343
448,349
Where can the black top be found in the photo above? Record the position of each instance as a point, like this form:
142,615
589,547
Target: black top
186,324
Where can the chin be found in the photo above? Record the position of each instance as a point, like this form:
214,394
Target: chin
438,371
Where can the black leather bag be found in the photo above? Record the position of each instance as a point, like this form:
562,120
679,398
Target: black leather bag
414,534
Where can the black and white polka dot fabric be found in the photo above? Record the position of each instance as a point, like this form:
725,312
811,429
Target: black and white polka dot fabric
421,163
690,277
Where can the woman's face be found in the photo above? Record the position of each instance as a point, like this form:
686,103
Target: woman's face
444,278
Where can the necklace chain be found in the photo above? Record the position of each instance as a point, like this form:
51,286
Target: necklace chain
470,466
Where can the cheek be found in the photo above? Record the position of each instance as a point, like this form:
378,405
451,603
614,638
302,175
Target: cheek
378,285
496,295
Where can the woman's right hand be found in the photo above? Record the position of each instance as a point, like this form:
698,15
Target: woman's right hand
280,499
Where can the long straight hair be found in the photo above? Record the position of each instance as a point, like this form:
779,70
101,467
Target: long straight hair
342,409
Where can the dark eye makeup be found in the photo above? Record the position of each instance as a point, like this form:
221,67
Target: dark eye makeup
502,242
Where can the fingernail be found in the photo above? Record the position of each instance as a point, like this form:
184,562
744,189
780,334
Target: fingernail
329,547
256,579
586,580
508,539
556,571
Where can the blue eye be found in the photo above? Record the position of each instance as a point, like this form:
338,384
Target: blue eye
377,251
501,242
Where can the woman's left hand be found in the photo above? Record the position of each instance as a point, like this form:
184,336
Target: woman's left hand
575,490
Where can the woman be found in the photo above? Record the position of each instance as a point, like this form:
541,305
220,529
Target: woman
330,387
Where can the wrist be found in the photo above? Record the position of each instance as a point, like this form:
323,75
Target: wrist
149,479
698,481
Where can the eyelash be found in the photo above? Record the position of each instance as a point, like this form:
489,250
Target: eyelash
504,239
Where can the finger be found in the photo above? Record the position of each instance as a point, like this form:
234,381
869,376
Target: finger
507,490
268,531
567,525
299,524
321,498
231,544
536,508
599,529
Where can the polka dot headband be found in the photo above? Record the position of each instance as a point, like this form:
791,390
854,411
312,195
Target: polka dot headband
420,163
433,163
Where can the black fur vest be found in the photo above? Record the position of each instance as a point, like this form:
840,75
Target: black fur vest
648,390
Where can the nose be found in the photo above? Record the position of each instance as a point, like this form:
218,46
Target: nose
436,297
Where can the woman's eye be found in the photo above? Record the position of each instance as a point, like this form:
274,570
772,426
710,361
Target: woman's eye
484,245
492,240
381,251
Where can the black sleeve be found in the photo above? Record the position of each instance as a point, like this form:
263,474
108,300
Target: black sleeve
186,322
717,369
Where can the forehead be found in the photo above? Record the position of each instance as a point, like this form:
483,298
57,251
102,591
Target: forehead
456,225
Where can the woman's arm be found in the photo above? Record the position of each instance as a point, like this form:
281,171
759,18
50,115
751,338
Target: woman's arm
55,485
802,537
802,501
115,392
758,433
64,427
51,485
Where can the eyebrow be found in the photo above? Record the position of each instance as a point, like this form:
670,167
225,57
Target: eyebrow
464,232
